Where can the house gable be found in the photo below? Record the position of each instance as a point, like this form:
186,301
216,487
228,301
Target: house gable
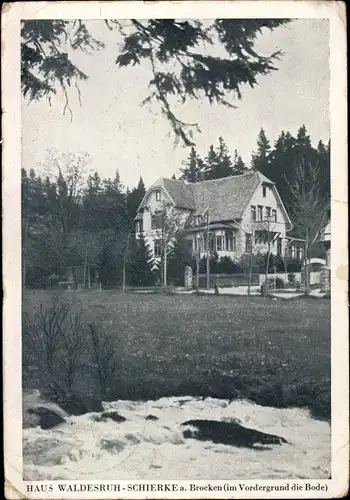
265,199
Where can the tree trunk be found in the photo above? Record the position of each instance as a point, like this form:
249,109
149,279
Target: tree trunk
125,257
124,276
89,278
250,271
208,253
24,254
165,267
306,267
85,268
267,270
197,270
285,269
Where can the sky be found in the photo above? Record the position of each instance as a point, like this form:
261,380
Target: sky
120,134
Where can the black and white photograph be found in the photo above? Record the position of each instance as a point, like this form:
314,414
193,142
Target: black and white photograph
172,264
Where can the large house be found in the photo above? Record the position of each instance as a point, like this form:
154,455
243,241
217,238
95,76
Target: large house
235,215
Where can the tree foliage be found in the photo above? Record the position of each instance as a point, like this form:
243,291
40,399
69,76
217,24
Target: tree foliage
281,163
73,218
217,164
177,52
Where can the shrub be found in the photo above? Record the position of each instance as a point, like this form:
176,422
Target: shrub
279,283
103,354
292,280
54,340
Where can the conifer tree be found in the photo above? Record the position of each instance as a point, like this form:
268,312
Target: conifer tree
260,159
179,257
193,167
210,164
140,264
238,164
134,199
224,166
170,48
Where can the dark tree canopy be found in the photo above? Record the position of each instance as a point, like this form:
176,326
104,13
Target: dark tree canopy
173,49
193,167
281,162
217,164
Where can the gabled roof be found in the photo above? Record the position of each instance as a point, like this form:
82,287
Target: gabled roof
227,198
181,193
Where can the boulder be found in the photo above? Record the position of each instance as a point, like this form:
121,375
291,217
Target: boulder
72,402
113,415
45,417
229,433
76,404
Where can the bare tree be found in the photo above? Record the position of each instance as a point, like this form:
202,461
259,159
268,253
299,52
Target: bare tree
309,209
248,230
266,236
172,223
73,339
42,336
198,248
88,246
259,236
67,171
126,236
71,167
55,340
103,356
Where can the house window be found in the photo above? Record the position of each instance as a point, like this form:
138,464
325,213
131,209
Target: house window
299,252
139,228
248,243
274,215
205,244
219,243
211,243
158,196
260,213
198,244
264,191
231,241
198,220
267,212
279,246
253,212
292,251
190,245
156,220
157,249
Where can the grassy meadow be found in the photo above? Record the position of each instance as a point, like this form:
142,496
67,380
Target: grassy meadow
274,352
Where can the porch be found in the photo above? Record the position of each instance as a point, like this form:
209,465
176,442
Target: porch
221,238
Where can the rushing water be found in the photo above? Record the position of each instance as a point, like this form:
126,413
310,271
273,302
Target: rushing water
139,448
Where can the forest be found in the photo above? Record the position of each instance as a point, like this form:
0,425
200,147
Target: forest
74,217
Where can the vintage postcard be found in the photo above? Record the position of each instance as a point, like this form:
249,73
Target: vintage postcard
175,250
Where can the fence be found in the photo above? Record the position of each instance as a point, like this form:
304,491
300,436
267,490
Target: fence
227,280
241,279
315,277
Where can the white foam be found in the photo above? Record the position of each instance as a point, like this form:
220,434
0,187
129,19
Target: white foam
83,448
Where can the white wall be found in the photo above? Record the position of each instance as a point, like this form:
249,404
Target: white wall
280,226
315,277
151,206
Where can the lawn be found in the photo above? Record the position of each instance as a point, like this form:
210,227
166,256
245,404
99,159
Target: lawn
275,352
